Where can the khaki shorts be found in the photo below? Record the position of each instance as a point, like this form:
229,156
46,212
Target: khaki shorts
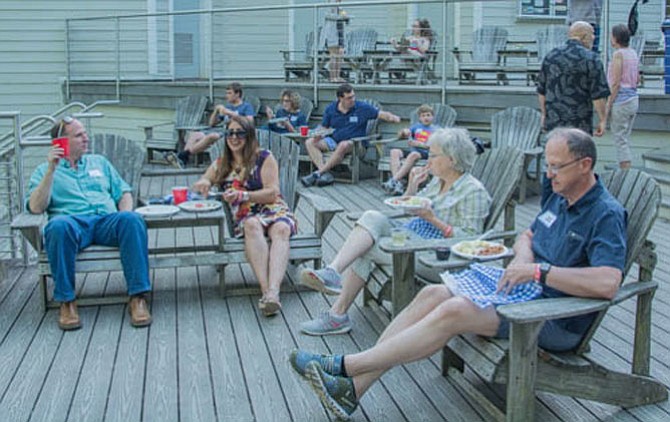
379,225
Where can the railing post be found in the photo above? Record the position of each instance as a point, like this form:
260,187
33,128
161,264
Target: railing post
315,59
443,84
67,61
211,57
118,58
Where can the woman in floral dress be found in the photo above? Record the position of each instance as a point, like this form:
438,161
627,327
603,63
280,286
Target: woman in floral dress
249,179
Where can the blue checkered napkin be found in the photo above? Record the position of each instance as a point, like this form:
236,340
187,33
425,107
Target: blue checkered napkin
423,228
479,282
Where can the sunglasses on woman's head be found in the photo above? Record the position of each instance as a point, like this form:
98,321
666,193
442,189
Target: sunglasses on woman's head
239,134
64,121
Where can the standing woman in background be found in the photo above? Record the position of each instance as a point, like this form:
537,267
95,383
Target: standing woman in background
332,37
623,76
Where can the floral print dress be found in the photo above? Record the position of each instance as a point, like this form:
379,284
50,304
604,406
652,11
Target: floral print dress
267,213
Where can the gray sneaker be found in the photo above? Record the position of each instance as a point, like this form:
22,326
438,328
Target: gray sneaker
326,324
336,393
398,188
310,179
325,179
389,185
325,280
299,359
172,158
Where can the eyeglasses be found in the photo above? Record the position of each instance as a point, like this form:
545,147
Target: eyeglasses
553,169
64,122
431,155
239,134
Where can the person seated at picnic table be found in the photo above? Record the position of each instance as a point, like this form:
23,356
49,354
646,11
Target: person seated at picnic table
290,110
418,135
350,119
576,247
249,179
460,204
199,141
418,42
87,202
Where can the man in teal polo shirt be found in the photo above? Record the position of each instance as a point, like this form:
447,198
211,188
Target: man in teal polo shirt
87,203
349,118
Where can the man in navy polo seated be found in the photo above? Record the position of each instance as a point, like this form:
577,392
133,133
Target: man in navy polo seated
350,119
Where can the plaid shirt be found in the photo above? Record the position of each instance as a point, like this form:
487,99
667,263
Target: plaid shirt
464,206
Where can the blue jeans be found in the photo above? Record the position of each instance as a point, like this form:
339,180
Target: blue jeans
65,236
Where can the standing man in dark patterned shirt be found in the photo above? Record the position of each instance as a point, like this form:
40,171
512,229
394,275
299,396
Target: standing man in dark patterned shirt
572,82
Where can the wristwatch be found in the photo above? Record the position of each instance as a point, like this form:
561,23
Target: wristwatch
544,270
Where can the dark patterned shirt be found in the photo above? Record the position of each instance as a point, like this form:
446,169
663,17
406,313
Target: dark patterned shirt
571,78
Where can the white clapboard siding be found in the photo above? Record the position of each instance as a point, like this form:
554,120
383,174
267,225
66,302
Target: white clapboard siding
32,49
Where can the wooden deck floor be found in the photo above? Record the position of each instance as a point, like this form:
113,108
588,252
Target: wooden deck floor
206,358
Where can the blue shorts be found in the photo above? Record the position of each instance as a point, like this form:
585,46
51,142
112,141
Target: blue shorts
330,142
552,336
422,151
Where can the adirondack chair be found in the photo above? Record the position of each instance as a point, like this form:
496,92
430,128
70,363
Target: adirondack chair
499,171
127,157
306,106
515,361
300,63
189,114
547,39
519,127
303,246
484,58
356,43
445,116
417,70
362,161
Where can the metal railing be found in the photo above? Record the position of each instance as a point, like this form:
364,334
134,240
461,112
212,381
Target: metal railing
242,43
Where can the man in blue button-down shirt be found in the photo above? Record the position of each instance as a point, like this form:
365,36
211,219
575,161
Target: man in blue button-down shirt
87,202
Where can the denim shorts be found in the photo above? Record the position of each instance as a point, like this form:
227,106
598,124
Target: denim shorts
422,151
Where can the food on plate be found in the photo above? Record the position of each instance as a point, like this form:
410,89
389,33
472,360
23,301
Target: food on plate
479,248
408,201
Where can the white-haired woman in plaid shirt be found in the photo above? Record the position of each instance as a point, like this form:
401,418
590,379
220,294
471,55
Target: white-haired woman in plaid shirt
460,204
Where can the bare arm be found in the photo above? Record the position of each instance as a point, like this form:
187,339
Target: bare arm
601,108
125,203
204,184
388,117
542,100
39,199
617,68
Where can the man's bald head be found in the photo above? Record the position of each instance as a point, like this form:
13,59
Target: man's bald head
582,32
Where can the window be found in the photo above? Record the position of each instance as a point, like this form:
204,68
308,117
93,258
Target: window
543,8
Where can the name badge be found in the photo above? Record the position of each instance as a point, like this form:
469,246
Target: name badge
353,119
95,173
547,218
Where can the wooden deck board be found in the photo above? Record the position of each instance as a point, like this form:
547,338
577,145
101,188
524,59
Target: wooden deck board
207,358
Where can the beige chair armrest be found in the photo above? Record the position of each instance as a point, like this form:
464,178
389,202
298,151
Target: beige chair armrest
31,226
324,210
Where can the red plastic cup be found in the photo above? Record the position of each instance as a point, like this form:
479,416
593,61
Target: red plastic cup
62,143
304,130
179,194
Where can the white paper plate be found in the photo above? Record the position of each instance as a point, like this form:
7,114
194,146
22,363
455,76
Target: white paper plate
408,202
157,210
479,249
277,120
200,206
